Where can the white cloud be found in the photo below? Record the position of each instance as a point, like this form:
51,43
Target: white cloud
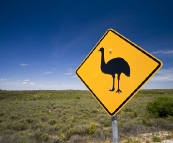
26,80
40,85
22,64
32,83
69,73
164,75
164,52
2,79
48,72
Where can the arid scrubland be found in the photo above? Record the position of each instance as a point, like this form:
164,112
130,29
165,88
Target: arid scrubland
75,116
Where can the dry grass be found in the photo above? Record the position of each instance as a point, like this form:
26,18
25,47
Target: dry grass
73,116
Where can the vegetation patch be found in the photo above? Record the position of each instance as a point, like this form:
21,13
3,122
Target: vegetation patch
92,128
75,116
156,139
161,107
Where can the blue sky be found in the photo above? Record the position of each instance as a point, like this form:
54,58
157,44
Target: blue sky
42,42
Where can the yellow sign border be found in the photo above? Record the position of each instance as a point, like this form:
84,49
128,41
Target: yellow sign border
138,87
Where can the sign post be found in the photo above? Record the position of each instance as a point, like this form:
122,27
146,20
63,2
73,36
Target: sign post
115,129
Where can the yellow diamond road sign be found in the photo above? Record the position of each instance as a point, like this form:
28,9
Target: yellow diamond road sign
115,70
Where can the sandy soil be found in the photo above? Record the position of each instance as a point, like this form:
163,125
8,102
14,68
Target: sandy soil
163,136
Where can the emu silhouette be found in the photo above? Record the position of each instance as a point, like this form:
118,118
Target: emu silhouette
114,66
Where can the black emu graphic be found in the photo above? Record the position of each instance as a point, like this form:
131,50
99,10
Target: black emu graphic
114,66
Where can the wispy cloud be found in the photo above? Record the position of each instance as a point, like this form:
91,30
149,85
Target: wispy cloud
32,83
48,72
73,76
25,81
22,64
69,73
163,52
2,79
164,75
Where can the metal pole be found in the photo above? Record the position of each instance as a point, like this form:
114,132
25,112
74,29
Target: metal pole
115,129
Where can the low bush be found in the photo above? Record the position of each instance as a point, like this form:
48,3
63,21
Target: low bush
128,110
161,107
40,137
52,122
92,128
156,139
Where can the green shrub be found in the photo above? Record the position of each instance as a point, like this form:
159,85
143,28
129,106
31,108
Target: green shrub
135,114
38,135
128,110
29,120
52,122
77,97
135,141
92,128
18,126
2,113
161,107
14,117
156,139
